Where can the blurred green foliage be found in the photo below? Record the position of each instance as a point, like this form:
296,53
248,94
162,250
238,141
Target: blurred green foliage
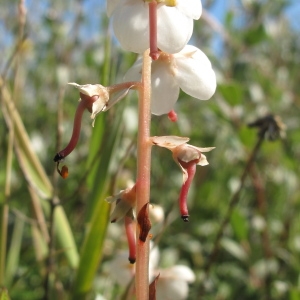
257,67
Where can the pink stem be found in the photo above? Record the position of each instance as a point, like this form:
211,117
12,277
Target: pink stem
134,85
130,233
191,170
154,53
75,134
143,177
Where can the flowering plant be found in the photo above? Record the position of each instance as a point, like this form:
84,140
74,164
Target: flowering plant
170,64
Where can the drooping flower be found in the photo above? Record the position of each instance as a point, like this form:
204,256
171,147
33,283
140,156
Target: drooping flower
190,70
95,98
125,203
187,157
174,23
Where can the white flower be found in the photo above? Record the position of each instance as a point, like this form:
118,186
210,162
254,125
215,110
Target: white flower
122,271
174,23
190,70
173,283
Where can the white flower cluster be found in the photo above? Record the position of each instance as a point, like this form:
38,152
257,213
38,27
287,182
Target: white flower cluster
179,65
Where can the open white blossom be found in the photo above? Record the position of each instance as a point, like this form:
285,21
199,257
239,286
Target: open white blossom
173,283
190,70
174,23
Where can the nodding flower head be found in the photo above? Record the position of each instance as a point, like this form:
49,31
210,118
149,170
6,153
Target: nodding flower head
125,203
94,98
187,157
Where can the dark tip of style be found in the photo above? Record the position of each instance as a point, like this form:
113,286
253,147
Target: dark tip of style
185,218
58,157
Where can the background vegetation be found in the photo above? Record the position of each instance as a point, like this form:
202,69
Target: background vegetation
242,241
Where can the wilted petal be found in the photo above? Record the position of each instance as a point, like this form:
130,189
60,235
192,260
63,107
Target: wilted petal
92,90
186,153
194,73
203,161
174,29
170,141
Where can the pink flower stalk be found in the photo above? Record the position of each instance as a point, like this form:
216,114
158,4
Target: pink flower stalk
187,157
154,52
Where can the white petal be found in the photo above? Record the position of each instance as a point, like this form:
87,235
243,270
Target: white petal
174,29
135,72
131,25
194,73
167,289
165,90
110,6
170,141
120,270
203,161
181,272
191,8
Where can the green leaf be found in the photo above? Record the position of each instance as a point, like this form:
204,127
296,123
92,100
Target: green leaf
232,92
239,225
255,35
234,249
4,294
37,177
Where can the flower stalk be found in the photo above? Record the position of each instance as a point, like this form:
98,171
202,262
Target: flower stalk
143,176
154,53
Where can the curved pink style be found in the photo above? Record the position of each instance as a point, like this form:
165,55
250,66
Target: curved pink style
85,103
191,170
130,233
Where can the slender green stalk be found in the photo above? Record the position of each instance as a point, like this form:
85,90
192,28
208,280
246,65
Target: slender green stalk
143,176
4,206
